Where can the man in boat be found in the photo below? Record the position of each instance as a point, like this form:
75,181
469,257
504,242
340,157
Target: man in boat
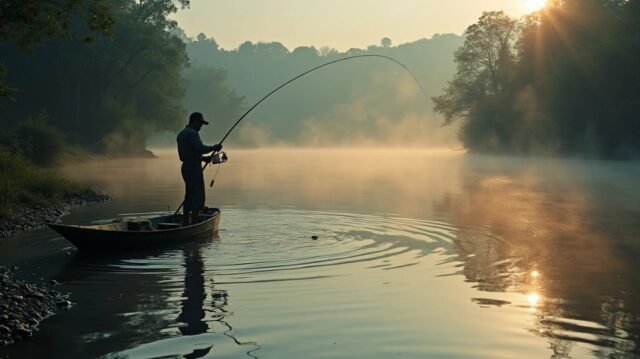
191,151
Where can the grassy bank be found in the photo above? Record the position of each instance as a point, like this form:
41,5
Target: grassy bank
23,184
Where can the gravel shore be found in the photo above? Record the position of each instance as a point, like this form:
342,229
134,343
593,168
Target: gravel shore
24,305
26,219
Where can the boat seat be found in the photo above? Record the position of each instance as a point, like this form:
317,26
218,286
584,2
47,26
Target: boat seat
168,225
139,225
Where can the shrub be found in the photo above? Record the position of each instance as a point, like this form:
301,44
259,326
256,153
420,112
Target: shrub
23,184
36,140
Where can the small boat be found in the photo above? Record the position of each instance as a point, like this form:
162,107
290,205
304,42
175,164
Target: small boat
127,234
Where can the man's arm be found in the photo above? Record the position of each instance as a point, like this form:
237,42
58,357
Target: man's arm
199,146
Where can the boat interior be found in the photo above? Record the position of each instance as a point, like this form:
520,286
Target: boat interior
157,223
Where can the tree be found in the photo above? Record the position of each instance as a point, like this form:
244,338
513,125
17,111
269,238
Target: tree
326,51
385,42
483,65
305,51
207,92
27,22
580,58
202,47
354,51
247,47
155,12
271,49
108,96
567,86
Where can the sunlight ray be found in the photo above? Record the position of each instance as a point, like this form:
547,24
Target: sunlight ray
560,29
534,5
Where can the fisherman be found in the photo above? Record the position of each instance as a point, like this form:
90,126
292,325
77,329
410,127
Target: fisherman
191,151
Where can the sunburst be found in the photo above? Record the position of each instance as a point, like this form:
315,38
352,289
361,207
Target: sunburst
534,5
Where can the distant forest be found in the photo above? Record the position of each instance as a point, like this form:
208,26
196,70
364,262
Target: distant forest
565,80
105,75
365,101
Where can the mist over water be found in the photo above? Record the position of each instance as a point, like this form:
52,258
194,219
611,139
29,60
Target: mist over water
420,253
358,219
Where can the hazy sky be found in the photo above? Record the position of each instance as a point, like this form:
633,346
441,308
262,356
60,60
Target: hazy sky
341,24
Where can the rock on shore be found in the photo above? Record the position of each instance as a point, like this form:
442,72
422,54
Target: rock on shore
25,219
23,306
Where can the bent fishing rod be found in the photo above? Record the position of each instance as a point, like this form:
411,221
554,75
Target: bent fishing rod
314,69
223,158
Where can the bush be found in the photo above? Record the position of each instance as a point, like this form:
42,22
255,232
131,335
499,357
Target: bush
36,140
23,184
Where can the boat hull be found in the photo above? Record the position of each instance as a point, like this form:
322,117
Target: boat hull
109,238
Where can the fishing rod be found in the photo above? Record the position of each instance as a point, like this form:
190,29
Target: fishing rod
314,69
221,157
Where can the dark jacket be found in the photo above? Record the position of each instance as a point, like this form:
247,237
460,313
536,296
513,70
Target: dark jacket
190,148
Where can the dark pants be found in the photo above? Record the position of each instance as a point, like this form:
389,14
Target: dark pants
193,188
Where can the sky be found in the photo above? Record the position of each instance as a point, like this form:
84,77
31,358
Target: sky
341,24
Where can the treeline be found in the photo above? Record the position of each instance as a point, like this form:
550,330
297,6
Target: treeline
104,88
104,75
365,101
564,80
82,75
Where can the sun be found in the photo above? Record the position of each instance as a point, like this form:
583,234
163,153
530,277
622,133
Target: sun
534,5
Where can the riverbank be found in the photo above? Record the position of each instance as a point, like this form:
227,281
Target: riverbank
24,305
29,218
32,196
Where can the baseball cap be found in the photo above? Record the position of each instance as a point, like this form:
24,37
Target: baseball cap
197,116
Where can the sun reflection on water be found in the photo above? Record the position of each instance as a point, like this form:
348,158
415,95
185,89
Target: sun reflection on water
512,223
534,299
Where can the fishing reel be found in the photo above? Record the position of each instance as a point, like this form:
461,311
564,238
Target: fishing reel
216,159
219,157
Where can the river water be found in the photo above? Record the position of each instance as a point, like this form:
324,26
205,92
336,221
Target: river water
419,254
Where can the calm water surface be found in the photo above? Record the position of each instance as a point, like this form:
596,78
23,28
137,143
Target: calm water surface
419,254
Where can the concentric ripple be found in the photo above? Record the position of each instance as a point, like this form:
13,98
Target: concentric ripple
289,282
275,245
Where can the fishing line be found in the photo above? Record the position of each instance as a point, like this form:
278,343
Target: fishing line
316,68
415,79
215,175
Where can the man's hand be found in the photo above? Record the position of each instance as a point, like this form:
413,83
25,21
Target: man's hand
217,147
206,159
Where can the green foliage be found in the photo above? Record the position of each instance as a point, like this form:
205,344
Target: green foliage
22,184
112,94
484,62
154,12
568,85
36,141
26,22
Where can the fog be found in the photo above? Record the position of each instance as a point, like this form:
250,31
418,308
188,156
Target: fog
454,194
355,103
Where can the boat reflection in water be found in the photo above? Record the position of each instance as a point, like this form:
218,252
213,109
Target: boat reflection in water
418,254
142,320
